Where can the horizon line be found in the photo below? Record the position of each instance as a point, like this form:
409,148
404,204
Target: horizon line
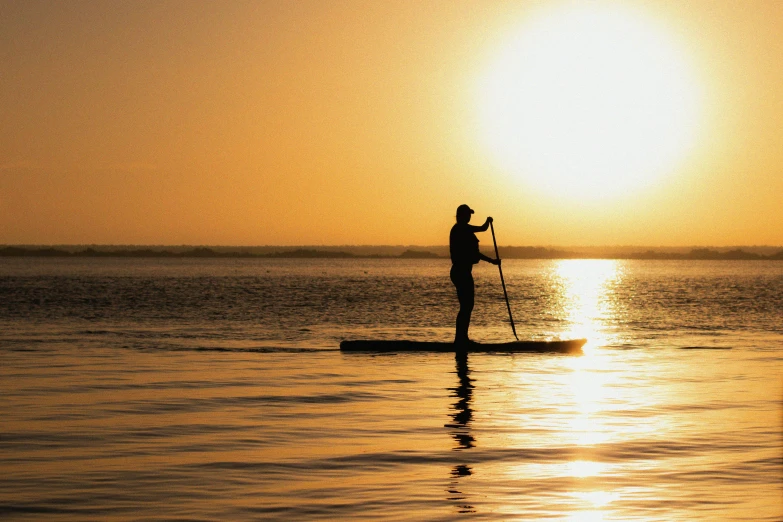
378,245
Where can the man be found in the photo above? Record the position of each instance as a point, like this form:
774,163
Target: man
464,250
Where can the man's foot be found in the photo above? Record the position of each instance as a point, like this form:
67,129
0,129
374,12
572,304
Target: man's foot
464,342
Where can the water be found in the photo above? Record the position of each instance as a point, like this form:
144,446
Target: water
213,389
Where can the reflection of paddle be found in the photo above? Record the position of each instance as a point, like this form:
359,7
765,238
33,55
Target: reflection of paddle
502,281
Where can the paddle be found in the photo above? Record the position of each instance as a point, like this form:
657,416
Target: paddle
502,281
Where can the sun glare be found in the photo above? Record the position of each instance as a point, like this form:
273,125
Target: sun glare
589,101
587,296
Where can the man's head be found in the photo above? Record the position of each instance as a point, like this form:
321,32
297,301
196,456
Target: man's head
463,213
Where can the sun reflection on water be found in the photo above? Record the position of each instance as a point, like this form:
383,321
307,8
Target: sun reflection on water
585,289
585,468
585,293
585,407
586,516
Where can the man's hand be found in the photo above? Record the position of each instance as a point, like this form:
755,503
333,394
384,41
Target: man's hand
496,262
489,220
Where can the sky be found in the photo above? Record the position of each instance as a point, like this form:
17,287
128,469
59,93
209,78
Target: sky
369,122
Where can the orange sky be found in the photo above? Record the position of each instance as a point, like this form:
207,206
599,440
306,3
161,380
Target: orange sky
287,123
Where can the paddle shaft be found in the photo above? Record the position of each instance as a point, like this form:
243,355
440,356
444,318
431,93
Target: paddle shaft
503,281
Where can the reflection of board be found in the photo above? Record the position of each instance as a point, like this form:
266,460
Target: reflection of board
570,346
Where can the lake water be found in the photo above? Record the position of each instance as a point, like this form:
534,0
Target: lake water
213,389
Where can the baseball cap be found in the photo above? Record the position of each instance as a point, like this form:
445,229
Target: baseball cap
464,209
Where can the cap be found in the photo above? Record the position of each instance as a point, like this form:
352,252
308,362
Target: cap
464,209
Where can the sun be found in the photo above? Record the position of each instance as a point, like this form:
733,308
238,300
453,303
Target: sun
589,101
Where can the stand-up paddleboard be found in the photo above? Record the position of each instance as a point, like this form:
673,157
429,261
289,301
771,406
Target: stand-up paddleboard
569,346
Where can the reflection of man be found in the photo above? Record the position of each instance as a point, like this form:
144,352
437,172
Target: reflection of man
463,414
462,417
464,250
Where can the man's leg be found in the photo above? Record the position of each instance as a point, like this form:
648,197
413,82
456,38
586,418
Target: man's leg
466,296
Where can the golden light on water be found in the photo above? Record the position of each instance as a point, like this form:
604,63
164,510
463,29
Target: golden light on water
584,290
586,516
586,303
585,293
585,468
596,498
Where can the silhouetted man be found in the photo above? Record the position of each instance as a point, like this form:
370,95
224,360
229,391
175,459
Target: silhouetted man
464,250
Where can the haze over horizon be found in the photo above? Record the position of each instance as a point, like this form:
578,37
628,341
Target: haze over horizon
367,123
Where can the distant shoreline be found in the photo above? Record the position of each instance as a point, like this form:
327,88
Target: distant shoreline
439,252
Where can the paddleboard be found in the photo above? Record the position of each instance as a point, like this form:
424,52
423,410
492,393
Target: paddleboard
568,346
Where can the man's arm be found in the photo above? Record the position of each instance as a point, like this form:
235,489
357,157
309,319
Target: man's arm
489,259
482,228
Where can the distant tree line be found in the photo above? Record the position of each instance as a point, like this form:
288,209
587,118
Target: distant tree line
205,252
510,252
